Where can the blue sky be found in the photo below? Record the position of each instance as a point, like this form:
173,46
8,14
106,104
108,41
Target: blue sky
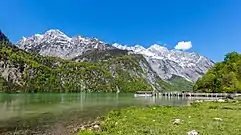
213,26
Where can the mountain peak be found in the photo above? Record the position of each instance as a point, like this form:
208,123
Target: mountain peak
55,43
158,47
54,31
38,35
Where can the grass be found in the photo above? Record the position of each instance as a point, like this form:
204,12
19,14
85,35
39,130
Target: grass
159,120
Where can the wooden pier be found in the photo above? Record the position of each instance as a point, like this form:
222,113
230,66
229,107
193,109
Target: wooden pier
184,94
192,94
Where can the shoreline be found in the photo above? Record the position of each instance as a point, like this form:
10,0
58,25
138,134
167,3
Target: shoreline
204,117
67,123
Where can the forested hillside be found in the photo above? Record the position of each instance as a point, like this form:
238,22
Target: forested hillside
34,73
223,77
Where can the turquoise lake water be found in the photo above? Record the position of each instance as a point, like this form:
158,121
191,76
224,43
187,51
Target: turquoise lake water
48,109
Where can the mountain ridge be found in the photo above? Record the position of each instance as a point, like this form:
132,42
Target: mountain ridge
161,56
166,63
22,71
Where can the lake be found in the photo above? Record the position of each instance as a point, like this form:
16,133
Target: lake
46,112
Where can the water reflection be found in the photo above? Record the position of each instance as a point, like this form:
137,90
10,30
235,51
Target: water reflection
21,105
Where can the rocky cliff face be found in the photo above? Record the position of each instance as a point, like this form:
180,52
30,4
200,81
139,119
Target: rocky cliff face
56,43
169,63
166,63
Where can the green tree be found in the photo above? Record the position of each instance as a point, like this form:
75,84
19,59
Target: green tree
223,77
231,57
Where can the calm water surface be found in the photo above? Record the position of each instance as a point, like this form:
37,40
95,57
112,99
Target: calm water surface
52,108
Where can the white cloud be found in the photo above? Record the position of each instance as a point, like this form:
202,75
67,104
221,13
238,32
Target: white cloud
183,45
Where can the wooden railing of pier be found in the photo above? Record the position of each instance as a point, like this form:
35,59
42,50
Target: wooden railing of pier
192,94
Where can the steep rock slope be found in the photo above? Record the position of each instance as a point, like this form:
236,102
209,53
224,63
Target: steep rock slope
56,43
169,63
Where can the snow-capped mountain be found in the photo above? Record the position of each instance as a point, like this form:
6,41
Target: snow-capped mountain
166,63
172,62
56,43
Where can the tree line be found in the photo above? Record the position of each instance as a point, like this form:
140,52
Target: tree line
224,76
